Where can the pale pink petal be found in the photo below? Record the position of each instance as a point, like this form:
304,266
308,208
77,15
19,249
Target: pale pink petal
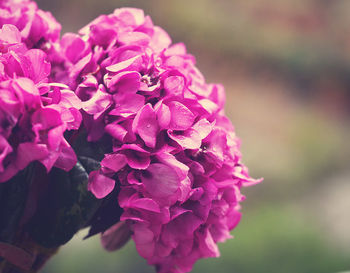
203,127
134,38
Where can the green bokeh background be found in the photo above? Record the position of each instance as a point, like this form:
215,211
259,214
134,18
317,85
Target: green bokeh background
286,68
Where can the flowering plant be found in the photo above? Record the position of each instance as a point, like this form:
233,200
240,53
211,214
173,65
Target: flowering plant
125,121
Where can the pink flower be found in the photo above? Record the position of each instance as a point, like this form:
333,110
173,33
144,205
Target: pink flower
175,154
34,114
38,29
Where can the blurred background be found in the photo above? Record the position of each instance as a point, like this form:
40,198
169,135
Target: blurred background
286,68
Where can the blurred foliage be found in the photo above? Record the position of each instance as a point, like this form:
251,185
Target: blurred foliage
286,68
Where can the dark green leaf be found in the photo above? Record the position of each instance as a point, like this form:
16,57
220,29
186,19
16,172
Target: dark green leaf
67,206
13,197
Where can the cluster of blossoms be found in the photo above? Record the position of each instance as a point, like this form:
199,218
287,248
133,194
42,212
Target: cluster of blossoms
34,114
175,154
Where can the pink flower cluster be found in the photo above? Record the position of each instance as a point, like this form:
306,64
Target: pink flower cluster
34,114
175,153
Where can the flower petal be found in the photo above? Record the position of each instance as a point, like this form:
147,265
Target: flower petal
100,185
189,139
160,180
114,162
181,117
145,124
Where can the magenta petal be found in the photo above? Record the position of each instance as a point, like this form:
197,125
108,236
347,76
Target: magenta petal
163,115
9,172
87,87
134,147
136,160
103,36
182,226
218,144
207,246
47,117
114,162
130,16
189,139
145,124
145,204
209,106
160,180
120,66
181,117
29,92
132,179
40,68
241,172
127,81
144,240
176,49
5,149
100,185
116,236
127,104
136,157
80,65
10,103
170,160
116,131
160,39
98,102
67,158
218,95
9,34
134,38
95,126
28,152
185,188
70,99
73,46
203,127
50,160
143,235
177,211
174,85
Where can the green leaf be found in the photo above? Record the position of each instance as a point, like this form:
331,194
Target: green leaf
13,197
66,207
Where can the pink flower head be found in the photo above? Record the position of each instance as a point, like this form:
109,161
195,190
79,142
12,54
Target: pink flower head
175,153
37,28
34,114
